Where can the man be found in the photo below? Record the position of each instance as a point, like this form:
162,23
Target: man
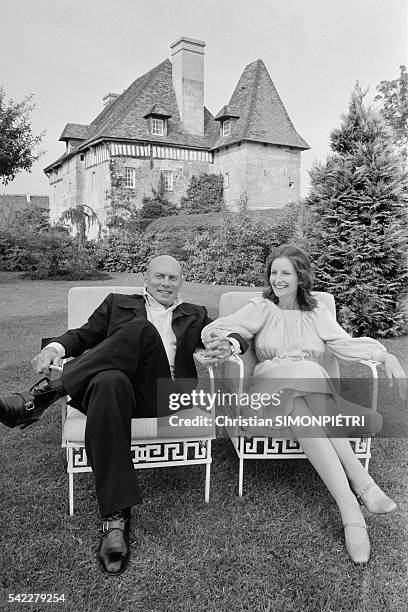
131,341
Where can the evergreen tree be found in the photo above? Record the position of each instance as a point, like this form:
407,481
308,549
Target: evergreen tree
204,194
357,224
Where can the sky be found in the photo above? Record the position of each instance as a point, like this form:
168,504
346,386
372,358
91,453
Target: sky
70,53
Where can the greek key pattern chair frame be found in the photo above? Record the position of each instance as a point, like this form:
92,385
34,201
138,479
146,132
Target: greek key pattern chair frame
280,448
146,453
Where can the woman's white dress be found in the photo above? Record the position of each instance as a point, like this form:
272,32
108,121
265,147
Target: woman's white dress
289,345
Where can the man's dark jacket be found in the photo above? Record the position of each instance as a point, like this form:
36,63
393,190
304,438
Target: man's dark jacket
118,309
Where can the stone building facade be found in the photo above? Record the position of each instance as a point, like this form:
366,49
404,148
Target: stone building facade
160,125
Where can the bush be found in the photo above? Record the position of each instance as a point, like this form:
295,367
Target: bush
232,251
204,194
48,254
122,253
235,253
126,253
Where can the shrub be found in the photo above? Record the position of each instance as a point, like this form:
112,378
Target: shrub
48,254
122,253
204,194
156,206
235,253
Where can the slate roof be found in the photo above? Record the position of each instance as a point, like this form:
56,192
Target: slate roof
157,110
227,111
124,117
262,116
74,130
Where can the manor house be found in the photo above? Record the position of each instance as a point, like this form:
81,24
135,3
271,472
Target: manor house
159,124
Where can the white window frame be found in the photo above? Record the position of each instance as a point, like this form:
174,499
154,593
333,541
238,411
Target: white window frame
157,126
130,179
226,127
168,180
226,182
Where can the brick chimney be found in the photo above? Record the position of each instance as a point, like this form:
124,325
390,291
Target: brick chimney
108,98
188,82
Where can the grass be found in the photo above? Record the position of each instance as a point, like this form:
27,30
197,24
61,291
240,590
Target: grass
278,549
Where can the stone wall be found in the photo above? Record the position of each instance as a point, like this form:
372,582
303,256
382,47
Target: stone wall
147,175
268,174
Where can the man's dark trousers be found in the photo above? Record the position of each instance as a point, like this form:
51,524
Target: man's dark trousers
116,381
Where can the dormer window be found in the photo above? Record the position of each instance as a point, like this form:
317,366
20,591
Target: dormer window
227,126
157,119
228,116
157,126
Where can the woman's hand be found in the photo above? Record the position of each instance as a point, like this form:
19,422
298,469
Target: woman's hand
393,370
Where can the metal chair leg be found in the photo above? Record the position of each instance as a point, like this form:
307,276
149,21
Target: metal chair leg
241,477
208,472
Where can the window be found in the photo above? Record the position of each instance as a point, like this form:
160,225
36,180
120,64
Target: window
129,177
291,184
168,180
157,126
226,180
93,180
226,127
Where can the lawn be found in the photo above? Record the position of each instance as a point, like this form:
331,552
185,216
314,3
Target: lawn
278,549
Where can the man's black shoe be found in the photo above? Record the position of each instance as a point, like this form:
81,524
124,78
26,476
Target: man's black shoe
114,547
27,407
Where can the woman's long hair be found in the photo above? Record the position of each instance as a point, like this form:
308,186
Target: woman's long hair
303,267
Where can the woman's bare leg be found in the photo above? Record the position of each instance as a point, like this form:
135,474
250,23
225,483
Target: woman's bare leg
322,455
374,498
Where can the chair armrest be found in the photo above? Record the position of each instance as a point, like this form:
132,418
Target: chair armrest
372,365
212,365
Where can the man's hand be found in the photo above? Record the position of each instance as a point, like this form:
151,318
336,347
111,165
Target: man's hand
41,362
393,370
217,347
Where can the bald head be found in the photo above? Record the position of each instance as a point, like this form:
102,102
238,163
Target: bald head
163,260
163,279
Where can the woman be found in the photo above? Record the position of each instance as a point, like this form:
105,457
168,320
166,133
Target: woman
291,330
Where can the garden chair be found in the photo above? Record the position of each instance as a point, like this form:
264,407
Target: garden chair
237,370
149,450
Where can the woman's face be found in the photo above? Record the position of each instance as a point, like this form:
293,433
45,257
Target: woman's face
283,278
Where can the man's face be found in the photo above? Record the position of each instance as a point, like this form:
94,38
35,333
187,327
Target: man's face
163,279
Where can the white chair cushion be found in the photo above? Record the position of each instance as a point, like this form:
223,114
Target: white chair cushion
143,429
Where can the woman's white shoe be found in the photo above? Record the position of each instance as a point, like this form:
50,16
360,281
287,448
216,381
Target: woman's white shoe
357,542
375,500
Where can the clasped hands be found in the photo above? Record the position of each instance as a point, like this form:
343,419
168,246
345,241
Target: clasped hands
217,347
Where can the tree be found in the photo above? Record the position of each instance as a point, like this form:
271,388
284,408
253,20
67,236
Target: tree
82,217
394,98
357,224
204,194
17,141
